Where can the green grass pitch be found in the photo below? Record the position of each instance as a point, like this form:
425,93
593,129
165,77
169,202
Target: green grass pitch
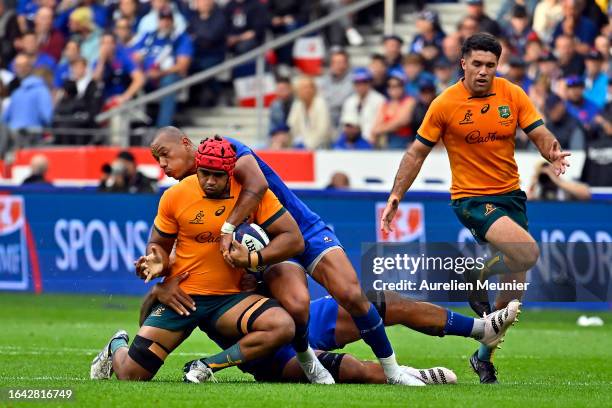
48,341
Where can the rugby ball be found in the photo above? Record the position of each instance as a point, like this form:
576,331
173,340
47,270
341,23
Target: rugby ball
253,237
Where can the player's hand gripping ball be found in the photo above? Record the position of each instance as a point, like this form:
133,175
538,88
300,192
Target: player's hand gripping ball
253,238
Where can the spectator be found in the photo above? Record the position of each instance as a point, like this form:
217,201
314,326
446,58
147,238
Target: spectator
475,9
597,170
575,24
504,14
287,16
128,10
150,21
39,164
467,27
546,185
596,79
451,50
33,94
548,67
547,14
208,28
248,20
125,177
392,49
351,137
72,52
414,70
378,69
344,26
430,32
165,57
309,118
427,93
124,36
121,78
339,181
569,61
602,44
566,128
66,8
393,119
279,109
280,137
533,50
539,91
444,73
29,47
85,32
9,32
336,84
51,41
517,74
364,103
518,32
577,106
80,103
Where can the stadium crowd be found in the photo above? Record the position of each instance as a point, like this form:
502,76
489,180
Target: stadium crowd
69,60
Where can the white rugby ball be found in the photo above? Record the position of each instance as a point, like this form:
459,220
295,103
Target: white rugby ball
254,238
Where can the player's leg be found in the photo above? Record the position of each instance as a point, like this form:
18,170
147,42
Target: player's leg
429,319
161,333
146,354
335,272
348,369
286,283
262,326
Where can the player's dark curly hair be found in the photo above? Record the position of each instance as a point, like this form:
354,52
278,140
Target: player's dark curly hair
481,42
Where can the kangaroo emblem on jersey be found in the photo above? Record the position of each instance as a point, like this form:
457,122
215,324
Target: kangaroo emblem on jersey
467,119
489,208
198,219
504,111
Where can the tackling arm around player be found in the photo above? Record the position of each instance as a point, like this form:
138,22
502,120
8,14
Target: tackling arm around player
175,154
477,120
186,215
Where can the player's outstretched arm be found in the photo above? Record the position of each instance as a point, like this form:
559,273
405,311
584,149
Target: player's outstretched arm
409,168
550,149
254,185
155,263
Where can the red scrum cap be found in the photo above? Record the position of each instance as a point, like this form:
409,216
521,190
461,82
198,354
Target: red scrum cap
216,154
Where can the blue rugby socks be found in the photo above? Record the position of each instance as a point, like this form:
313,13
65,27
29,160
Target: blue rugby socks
460,325
117,344
373,332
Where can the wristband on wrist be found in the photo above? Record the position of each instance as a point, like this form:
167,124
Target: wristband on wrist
227,228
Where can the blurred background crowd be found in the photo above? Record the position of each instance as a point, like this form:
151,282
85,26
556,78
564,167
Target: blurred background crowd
63,62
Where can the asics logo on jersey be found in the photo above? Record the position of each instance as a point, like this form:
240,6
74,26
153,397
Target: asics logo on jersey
467,119
198,219
485,108
489,208
474,137
208,238
220,211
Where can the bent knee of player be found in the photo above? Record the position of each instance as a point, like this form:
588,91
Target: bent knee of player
298,306
353,300
279,326
526,255
132,371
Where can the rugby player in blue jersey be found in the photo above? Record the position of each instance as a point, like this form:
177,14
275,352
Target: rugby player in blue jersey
324,259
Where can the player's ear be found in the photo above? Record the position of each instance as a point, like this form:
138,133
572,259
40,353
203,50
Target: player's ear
463,63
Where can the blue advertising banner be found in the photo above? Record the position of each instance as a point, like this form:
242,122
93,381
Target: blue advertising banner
82,241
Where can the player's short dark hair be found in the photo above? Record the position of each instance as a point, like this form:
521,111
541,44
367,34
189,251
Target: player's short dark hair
377,56
283,80
481,42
